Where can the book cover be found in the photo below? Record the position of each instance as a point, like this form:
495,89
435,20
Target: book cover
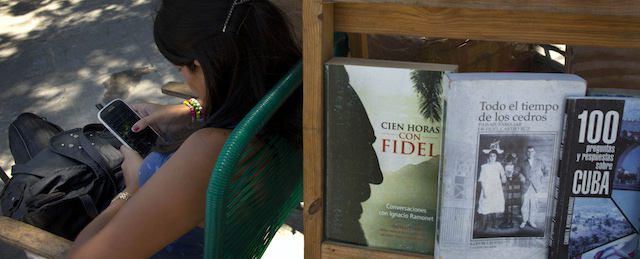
383,125
501,142
613,92
598,209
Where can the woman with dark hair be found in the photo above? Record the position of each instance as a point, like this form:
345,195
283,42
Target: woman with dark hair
230,53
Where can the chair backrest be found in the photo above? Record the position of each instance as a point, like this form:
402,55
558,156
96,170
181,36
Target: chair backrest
243,216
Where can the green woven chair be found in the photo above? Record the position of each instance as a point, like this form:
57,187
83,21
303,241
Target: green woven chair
243,216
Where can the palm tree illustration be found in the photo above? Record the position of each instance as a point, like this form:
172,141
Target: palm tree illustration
427,84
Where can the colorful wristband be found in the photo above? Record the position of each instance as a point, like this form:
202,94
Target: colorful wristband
193,112
195,108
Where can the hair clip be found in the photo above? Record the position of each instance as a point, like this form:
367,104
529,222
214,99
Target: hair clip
233,6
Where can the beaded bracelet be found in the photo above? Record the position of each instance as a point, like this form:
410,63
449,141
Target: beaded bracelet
193,113
196,105
196,109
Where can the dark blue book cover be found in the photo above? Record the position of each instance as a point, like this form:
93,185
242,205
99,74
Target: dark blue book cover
598,196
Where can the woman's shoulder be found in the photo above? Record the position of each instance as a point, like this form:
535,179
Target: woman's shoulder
211,133
211,139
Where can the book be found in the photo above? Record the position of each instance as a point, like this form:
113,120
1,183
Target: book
383,125
500,153
613,92
598,194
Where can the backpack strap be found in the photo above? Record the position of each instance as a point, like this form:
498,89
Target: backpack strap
3,176
90,149
89,205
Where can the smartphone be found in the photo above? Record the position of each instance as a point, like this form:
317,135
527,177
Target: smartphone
119,117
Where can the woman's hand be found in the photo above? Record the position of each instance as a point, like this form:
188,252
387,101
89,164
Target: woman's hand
164,118
130,167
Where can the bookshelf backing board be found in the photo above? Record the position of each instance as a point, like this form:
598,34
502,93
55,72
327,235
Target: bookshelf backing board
614,24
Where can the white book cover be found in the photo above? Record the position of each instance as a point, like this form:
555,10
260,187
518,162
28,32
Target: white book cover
501,144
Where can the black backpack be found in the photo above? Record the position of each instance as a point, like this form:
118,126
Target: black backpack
62,183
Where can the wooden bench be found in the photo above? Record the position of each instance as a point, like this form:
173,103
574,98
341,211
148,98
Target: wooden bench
177,89
32,239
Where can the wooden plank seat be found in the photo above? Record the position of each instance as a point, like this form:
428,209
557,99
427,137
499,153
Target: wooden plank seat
178,89
32,239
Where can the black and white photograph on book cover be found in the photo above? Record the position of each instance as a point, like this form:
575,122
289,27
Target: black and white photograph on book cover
513,182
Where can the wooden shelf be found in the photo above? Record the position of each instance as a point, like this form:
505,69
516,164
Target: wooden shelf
335,250
619,8
525,27
614,24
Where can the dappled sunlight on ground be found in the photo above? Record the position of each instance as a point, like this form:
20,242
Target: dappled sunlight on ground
57,55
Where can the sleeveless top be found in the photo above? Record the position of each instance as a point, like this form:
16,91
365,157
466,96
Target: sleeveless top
191,244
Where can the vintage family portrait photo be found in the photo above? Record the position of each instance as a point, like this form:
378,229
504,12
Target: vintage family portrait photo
512,184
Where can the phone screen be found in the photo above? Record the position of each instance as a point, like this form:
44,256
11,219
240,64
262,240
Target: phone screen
118,117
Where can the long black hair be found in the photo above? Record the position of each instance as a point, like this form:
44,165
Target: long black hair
241,64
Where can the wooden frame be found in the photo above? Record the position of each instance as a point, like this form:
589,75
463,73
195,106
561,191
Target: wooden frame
614,24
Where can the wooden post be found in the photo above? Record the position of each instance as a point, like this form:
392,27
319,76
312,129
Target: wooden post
317,48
